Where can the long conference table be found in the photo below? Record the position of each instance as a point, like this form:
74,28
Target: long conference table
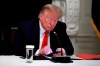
12,60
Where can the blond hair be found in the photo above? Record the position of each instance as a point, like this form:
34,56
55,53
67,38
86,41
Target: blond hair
53,8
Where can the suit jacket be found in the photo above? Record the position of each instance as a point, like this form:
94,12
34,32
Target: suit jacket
29,32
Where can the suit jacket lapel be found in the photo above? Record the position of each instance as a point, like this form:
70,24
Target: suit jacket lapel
52,40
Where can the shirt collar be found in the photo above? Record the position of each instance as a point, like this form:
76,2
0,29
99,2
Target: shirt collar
41,28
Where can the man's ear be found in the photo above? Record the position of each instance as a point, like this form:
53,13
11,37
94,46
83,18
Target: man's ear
40,15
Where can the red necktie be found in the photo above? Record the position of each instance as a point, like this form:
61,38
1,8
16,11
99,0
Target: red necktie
45,39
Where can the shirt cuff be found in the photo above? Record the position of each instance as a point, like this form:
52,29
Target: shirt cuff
37,52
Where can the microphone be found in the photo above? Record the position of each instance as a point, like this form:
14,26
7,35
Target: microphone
59,42
60,59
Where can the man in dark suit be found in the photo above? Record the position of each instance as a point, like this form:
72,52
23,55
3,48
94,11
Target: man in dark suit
32,33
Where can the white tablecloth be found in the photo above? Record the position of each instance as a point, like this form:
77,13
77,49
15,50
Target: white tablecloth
17,61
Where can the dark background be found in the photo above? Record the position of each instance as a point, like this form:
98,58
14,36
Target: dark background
12,13
96,13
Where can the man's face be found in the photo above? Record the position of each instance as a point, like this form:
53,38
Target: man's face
48,20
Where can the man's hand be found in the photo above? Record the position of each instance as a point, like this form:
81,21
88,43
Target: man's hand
59,53
45,51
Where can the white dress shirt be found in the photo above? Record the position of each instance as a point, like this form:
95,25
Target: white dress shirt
42,33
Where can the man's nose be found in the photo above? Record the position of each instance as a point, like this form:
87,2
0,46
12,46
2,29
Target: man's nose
52,23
